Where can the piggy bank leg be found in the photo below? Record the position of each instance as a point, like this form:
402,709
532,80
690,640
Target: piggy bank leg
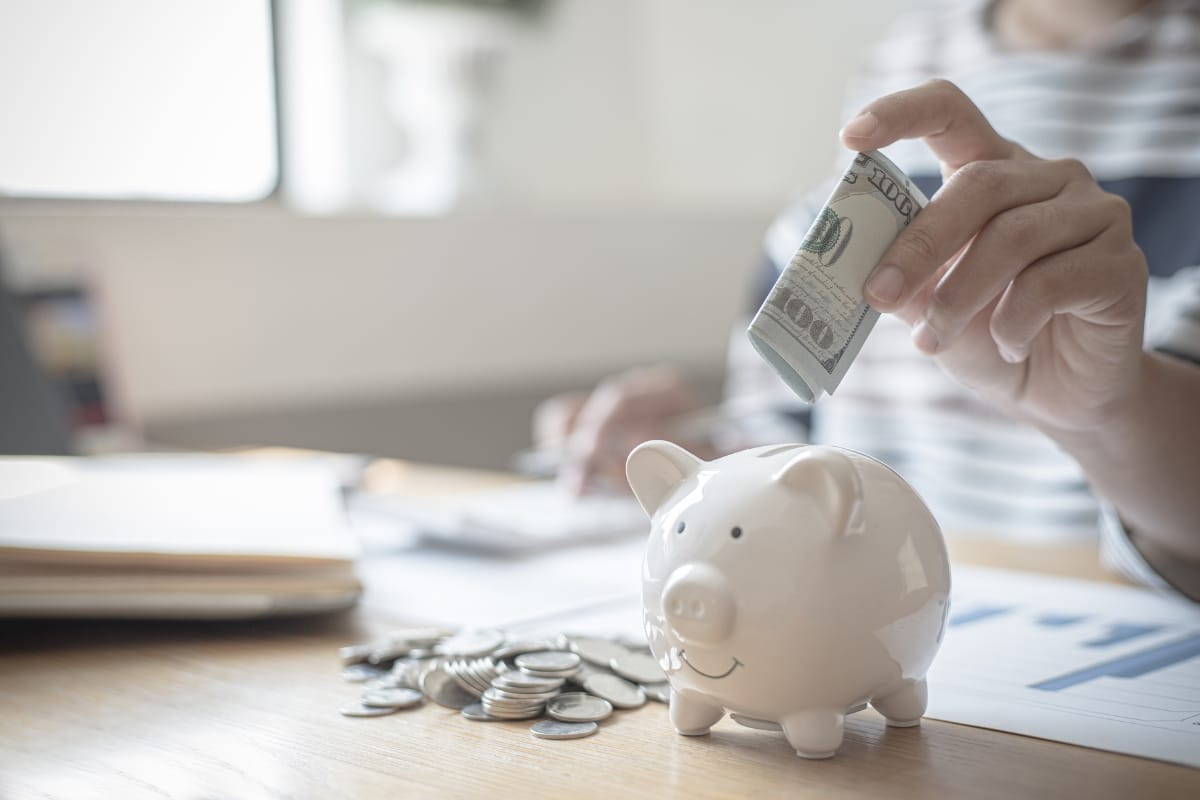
814,734
904,707
692,714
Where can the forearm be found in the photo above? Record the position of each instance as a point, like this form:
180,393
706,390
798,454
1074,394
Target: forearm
1146,461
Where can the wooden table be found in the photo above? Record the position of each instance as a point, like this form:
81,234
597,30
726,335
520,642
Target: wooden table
249,710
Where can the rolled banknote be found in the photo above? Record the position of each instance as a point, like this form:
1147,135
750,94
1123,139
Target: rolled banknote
815,321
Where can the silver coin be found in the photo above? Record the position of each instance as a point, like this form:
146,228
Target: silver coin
553,729
755,722
618,691
522,714
660,692
388,651
520,691
548,661
417,638
392,698
495,695
638,645
481,672
523,680
579,707
354,654
422,653
471,643
638,667
388,681
596,651
476,712
359,673
518,648
443,690
456,670
360,710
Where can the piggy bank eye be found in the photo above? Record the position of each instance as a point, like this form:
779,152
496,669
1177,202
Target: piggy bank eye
679,528
736,532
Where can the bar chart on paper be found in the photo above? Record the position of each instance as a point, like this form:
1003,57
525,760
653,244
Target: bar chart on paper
1100,666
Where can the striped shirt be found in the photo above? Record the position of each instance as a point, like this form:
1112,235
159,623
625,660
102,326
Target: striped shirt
1128,106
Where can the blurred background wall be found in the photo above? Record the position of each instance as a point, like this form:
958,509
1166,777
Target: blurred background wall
476,207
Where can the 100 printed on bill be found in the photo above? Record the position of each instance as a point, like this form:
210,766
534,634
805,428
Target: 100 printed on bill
814,321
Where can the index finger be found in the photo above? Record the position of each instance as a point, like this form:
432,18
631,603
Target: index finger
936,111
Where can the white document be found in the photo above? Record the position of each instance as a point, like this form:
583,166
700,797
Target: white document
521,517
1109,667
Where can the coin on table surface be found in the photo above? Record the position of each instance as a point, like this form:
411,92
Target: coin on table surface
553,729
660,692
414,638
520,647
638,667
532,713
638,645
471,643
579,707
495,695
618,691
476,712
444,690
354,654
360,710
387,652
457,670
392,698
388,681
359,673
545,661
523,680
596,651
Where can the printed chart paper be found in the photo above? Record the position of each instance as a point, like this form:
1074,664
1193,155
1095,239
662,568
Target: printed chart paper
1109,667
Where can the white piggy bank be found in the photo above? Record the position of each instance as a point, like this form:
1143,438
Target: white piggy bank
790,586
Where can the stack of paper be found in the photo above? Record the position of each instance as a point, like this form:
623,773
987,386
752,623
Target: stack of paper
171,536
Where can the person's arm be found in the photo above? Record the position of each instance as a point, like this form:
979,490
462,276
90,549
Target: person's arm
1146,459
1022,279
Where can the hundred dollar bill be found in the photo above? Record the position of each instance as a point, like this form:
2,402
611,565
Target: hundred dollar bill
815,321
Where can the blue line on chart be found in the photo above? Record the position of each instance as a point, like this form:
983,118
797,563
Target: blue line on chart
1053,620
978,614
1134,665
1123,632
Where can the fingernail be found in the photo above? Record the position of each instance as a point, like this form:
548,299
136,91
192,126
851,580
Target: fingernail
924,338
886,284
863,125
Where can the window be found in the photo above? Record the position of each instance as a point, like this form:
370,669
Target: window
137,99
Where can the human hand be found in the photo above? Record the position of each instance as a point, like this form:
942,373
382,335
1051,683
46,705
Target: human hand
597,431
1021,276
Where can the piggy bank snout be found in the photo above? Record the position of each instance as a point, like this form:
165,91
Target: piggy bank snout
698,603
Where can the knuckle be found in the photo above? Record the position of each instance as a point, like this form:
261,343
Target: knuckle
944,87
918,244
1072,167
987,176
1119,210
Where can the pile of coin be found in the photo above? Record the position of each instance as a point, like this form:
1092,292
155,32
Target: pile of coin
487,674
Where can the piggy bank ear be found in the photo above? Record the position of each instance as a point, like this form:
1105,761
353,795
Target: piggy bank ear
829,476
654,470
